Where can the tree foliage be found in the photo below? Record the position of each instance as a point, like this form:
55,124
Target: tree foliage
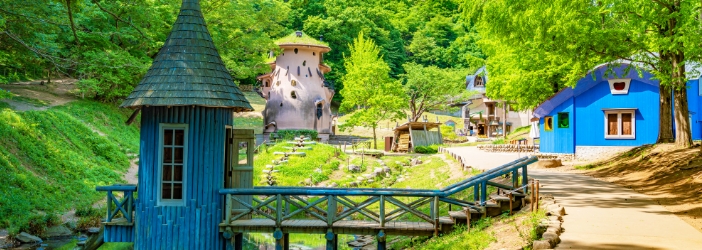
370,93
431,88
536,48
109,45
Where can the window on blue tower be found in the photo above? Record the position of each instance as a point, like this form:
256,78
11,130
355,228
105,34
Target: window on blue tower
173,159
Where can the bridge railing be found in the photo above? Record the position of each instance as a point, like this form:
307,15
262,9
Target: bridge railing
116,206
379,205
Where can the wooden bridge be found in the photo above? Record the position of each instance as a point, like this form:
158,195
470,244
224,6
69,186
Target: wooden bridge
358,211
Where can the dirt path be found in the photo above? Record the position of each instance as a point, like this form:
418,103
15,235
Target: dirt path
602,215
35,96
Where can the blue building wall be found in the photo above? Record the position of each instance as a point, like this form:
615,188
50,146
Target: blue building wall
560,140
118,234
590,115
195,225
693,102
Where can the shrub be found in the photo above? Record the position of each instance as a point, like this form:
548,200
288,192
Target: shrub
289,134
87,222
89,212
448,133
431,149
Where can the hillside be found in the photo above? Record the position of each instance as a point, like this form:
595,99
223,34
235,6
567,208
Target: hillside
51,160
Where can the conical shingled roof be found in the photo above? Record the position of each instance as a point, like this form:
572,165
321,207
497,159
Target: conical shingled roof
188,70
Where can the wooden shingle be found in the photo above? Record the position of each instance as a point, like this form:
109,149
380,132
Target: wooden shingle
188,70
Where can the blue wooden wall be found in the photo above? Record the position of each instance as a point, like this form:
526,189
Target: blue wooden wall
590,116
118,234
195,225
560,140
693,102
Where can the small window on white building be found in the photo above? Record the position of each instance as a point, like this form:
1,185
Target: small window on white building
173,152
479,82
293,83
293,95
620,124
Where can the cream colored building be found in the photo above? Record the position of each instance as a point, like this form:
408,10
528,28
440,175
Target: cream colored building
487,115
296,92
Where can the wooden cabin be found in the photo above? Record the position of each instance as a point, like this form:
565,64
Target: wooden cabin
413,134
188,148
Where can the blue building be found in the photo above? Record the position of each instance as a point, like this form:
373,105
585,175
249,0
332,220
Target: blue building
187,99
612,106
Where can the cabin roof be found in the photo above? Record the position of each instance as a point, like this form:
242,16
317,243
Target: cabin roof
470,81
417,126
293,39
188,70
595,76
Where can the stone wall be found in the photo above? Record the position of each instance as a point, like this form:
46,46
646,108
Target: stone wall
598,152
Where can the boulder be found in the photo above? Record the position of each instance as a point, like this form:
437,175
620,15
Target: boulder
555,209
400,179
354,168
552,238
58,232
27,238
93,230
370,180
308,182
387,169
549,163
360,178
378,171
333,184
415,162
353,184
541,244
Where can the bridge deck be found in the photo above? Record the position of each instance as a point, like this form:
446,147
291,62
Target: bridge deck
339,227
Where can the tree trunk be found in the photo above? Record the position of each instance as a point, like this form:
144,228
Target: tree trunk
504,120
73,25
665,127
683,134
375,139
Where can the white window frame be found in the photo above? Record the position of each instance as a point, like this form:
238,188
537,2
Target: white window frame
619,124
161,129
627,83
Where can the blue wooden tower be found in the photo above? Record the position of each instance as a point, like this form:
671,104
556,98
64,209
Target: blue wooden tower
187,99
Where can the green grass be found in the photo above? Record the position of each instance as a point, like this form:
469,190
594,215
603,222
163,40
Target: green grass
117,246
4,105
255,123
298,168
51,161
31,101
475,238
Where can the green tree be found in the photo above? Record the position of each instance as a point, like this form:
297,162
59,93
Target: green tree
536,48
369,93
432,88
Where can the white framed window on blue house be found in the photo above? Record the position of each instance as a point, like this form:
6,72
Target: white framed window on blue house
173,148
620,124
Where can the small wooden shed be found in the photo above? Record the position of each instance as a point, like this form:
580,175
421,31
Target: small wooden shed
414,134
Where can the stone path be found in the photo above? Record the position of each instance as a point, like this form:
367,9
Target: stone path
601,215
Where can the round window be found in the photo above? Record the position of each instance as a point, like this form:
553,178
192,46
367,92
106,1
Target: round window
304,62
293,83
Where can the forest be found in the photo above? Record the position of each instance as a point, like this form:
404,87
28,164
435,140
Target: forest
109,45
532,48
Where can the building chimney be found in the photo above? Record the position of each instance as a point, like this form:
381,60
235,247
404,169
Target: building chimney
298,33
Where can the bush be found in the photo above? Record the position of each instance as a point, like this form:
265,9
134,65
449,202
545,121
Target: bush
431,149
289,134
39,223
448,133
89,212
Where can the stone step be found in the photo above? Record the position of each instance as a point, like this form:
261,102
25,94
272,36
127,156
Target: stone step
290,153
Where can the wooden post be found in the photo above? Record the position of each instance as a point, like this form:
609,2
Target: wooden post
536,202
239,241
228,209
331,210
510,202
381,240
531,196
382,211
468,214
435,214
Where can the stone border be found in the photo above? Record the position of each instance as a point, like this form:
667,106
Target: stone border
550,229
512,148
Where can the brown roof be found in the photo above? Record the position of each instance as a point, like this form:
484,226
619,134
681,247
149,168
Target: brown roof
188,70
